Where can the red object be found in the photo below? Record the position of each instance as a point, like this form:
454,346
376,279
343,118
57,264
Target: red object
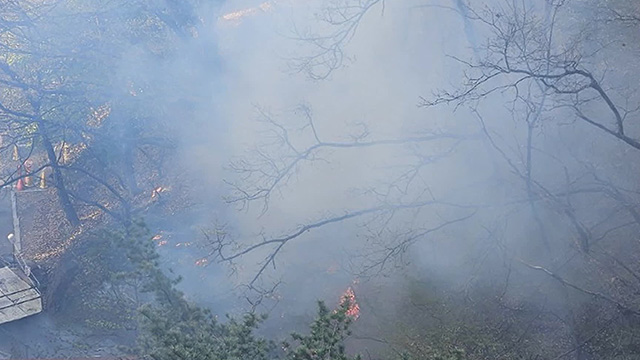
19,184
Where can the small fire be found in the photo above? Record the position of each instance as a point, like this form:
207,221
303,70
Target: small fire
61,248
93,215
98,115
237,16
202,262
354,309
157,191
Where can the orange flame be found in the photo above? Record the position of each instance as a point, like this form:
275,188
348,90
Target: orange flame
354,309
159,190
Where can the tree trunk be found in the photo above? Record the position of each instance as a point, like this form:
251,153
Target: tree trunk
129,169
58,182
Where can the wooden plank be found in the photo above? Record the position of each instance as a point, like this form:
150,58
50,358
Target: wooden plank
18,299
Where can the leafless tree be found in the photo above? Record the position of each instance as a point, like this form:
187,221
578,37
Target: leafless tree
548,78
551,106
272,166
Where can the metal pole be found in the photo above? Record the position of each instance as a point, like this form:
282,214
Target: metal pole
17,242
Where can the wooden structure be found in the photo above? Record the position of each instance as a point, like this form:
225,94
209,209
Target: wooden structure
19,294
19,297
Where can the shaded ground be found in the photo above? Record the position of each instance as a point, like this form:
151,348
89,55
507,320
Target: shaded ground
40,337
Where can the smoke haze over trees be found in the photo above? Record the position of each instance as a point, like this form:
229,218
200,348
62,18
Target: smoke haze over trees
465,172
